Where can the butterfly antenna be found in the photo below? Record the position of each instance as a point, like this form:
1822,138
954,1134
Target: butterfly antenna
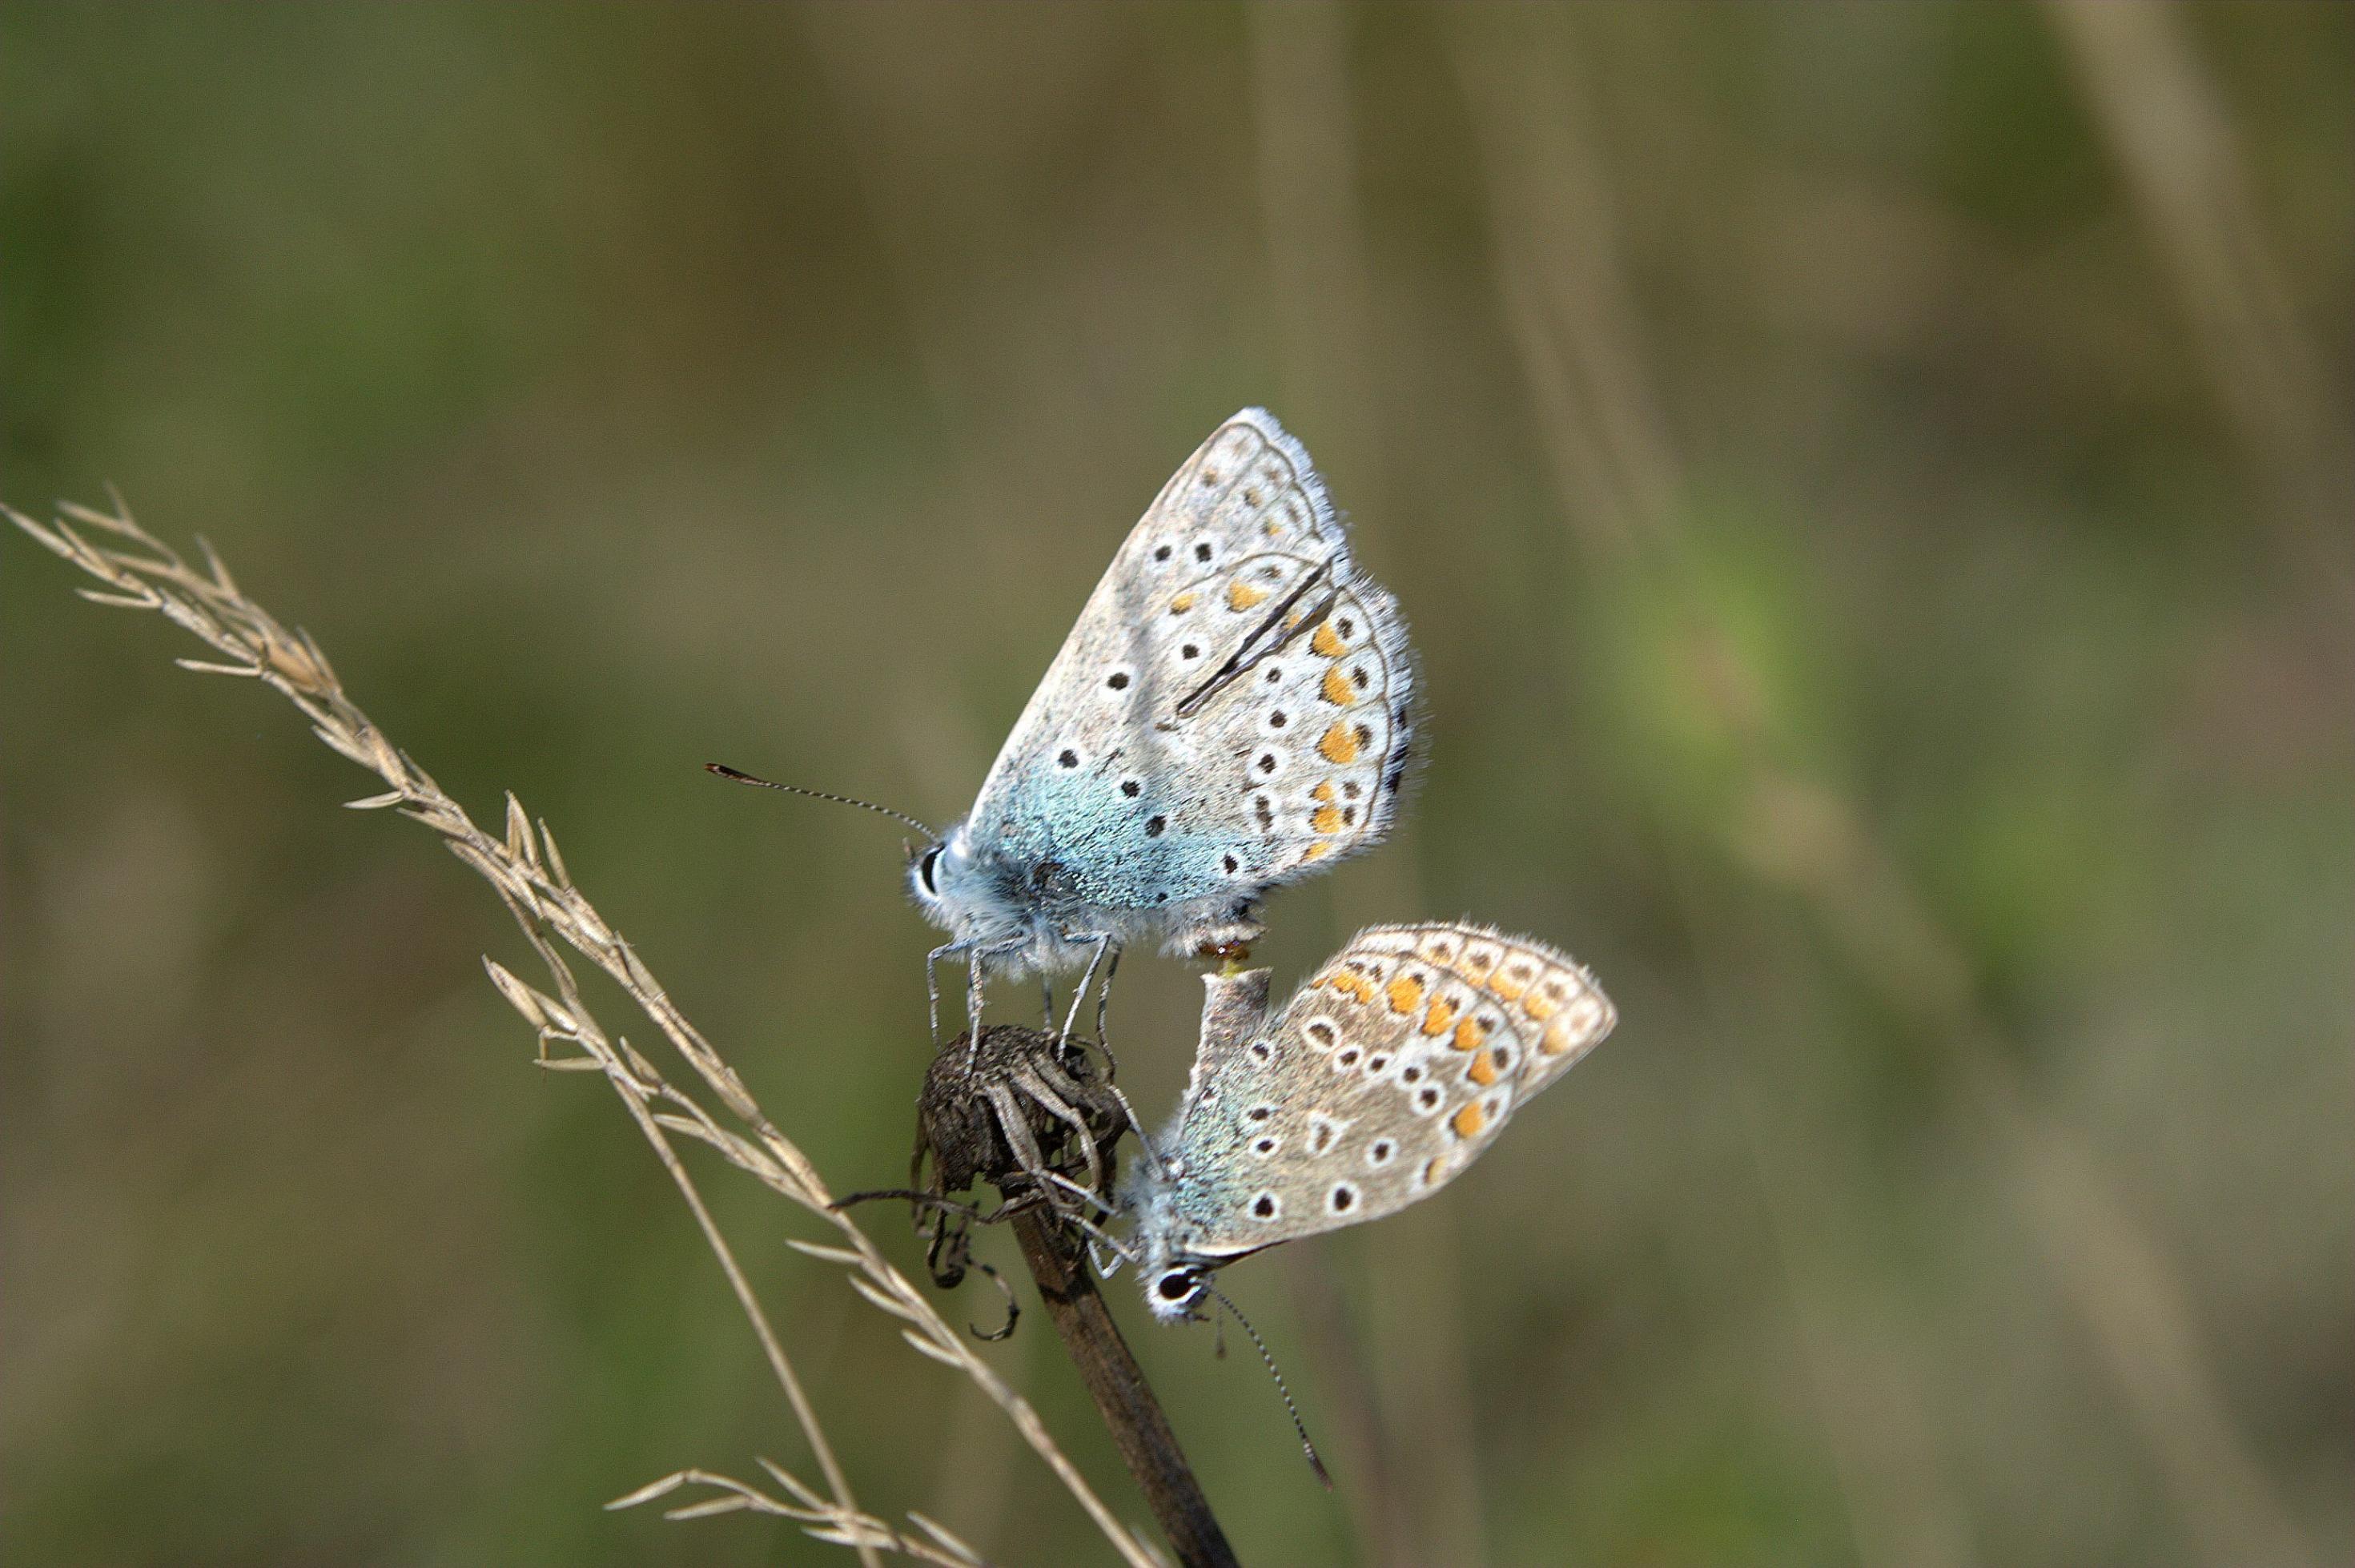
1306,1447
725,772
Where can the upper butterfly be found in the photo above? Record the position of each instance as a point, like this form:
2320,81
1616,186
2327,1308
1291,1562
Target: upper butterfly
1229,714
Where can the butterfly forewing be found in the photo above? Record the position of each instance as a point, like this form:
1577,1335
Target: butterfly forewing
1248,488
1381,1079
1232,710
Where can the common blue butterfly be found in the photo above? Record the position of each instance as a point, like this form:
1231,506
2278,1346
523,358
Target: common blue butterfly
1384,1077
1232,712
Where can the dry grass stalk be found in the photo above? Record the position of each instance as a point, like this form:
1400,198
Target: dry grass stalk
818,1516
528,874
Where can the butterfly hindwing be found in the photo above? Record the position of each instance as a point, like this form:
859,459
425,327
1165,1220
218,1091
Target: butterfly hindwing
1232,710
1382,1078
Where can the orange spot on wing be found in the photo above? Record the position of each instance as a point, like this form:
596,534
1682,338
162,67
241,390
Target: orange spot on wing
1327,640
1469,1034
1469,1121
1511,981
1326,819
1335,689
1441,1014
1183,602
1338,745
1316,852
1483,1070
1324,791
1559,1038
1406,994
1241,595
1542,1004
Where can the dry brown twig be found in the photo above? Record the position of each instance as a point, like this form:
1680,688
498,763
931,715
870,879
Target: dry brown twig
528,874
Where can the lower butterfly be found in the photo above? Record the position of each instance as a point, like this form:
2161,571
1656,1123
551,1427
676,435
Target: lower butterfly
1380,1081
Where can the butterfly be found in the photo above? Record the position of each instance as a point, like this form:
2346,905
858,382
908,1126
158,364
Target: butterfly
1231,713
1382,1078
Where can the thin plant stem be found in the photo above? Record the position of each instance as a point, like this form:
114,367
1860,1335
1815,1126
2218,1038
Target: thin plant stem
1139,1429
2139,70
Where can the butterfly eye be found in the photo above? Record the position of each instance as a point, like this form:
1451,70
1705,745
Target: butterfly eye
924,870
1175,1285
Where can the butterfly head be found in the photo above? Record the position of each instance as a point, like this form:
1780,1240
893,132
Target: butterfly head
1176,1290
923,872
938,877
964,891
1174,1281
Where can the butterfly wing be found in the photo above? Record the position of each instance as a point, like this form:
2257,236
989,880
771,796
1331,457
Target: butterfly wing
1382,1079
1231,710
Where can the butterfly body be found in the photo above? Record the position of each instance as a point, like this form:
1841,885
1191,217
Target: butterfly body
1382,1078
1025,911
1231,713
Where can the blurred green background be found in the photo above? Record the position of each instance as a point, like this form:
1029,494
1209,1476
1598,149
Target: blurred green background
1869,488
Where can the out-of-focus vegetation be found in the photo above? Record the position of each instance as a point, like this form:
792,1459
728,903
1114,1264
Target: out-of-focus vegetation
1869,484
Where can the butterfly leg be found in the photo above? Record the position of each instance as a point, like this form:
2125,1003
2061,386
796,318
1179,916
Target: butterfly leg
1101,1241
1108,954
1112,1063
933,981
973,1002
1103,1007
976,979
1103,940
1046,994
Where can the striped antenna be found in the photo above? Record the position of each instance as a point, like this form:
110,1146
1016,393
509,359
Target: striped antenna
725,772
1306,1447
